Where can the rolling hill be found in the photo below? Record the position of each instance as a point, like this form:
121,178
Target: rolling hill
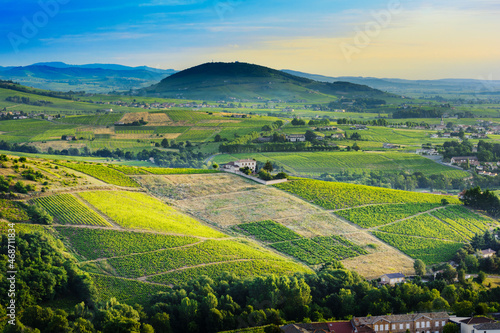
243,81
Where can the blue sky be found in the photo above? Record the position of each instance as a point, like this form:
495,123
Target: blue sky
391,38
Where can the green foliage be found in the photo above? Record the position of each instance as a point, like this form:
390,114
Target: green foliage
128,170
69,210
139,211
487,200
12,211
463,221
104,243
38,214
430,251
372,216
103,173
419,267
339,195
269,231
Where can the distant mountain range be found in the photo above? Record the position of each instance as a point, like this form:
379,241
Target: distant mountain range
413,87
96,78
243,81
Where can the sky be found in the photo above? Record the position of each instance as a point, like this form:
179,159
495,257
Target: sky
410,39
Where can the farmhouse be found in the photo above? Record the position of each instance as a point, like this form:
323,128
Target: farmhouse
337,136
488,253
488,328
415,323
235,166
392,278
467,324
427,152
296,137
464,159
390,146
327,128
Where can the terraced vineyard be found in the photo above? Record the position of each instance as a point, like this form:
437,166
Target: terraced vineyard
331,195
372,216
128,170
218,271
198,254
424,225
430,251
69,210
104,243
320,249
139,211
463,220
103,173
128,291
268,231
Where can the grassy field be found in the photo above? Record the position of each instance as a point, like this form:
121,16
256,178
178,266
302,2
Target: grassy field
317,163
103,173
139,211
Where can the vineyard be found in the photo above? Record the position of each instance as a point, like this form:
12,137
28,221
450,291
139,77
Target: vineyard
424,225
331,195
198,254
128,170
93,244
268,231
128,291
12,211
139,211
238,268
103,173
69,210
320,249
430,251
372,216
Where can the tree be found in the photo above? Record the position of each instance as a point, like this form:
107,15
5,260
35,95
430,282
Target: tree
481,277
39,215
217,138
419,267
355,146
265,175
355,136
310,135
164,143
451,328
215,166
268,166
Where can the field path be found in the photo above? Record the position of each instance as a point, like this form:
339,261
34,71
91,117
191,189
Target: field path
143,278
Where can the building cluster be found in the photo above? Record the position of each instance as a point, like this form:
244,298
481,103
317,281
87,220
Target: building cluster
484,169
431,322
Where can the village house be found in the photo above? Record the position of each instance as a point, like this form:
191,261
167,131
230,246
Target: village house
389,145
472,160
337,136
488,253
392,278
467,324
327,128
236,165
427,152
487,328
486,173
336,327
296,137
415,323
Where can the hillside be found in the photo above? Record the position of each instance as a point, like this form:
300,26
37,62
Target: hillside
94,78
242,81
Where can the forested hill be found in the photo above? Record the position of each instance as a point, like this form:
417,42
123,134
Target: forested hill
215,81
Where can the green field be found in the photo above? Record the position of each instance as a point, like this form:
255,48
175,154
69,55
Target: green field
372,216
320,250
331,195
173,259
93,244
317,163
178,171
218,271
424,225
69,210
139,211
268,231
124,290
103,173
430,251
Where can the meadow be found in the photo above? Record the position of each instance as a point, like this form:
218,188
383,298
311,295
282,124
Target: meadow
103,173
